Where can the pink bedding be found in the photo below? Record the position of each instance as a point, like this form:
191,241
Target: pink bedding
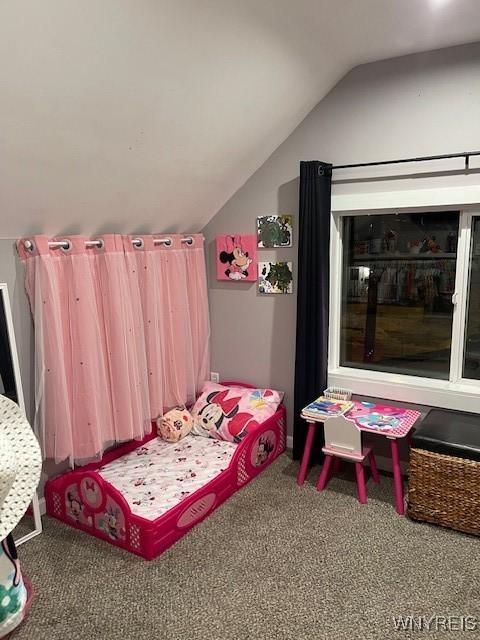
159,475
229,413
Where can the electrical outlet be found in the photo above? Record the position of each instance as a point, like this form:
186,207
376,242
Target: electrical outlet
214,376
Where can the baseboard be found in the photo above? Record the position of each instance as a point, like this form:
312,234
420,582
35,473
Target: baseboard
289,442
43,506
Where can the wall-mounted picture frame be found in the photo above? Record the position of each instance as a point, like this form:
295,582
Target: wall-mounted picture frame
236,258
274,231
275,277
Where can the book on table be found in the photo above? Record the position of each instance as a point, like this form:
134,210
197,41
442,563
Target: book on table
324,407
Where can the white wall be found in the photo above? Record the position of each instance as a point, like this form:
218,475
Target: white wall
417,105
412,106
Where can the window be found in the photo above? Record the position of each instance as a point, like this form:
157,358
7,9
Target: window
405,296
398,282
471,364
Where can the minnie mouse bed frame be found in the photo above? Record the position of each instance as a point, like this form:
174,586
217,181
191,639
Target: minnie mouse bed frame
103,505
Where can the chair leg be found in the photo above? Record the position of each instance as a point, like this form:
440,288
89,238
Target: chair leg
373,467
306,454
361,488
324,473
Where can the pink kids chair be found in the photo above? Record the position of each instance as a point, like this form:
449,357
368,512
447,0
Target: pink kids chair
343,441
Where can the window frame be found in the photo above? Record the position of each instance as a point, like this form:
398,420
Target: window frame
456,392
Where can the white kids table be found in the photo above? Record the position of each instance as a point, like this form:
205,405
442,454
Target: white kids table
343,439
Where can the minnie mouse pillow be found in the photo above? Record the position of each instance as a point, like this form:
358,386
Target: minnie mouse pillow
229,413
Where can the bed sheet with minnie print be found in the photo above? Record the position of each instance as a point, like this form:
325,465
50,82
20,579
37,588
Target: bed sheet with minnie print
159,475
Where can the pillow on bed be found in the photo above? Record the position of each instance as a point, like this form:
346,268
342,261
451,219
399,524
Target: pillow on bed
229,413
175,424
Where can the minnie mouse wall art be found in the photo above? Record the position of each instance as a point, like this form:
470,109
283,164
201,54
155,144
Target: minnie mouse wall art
236,258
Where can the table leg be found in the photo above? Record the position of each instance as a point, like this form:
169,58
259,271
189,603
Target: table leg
361,488
324,473
373,467
409,437
397,477
306,454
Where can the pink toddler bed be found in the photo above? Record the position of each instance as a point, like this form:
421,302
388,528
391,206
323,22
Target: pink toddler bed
146,495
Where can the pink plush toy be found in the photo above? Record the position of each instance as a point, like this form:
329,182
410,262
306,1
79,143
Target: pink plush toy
175,424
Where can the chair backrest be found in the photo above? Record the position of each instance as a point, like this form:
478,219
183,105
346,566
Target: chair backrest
343,435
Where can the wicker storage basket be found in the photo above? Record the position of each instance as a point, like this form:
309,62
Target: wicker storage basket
444,490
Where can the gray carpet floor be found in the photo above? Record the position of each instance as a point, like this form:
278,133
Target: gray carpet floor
275,561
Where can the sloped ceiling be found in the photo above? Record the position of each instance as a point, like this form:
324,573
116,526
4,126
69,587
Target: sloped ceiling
131,115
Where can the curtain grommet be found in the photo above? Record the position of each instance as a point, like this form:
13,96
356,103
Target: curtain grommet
29,245
67,248
167,242
188,240
138,243
100,244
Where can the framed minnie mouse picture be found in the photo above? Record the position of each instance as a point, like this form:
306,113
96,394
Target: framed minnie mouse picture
236,258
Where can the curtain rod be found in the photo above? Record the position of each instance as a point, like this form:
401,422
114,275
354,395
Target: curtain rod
137,242
465,154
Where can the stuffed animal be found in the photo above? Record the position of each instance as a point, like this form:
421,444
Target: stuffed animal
175,424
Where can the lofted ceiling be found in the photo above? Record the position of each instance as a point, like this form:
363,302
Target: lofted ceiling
147,115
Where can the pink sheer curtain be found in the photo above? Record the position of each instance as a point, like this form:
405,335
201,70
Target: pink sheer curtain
117,339
173,289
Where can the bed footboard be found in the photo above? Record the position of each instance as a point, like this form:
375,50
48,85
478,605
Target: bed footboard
83,499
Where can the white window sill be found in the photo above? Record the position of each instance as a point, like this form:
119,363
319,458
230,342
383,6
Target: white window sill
463,395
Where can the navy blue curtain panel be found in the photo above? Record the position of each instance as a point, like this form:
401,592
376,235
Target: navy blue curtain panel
312,295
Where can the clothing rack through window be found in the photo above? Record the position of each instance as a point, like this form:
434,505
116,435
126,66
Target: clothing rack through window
403,282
